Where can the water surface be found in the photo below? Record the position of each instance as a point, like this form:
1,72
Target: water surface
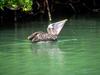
77,51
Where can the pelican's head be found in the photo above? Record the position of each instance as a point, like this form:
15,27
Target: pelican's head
56,27
51,30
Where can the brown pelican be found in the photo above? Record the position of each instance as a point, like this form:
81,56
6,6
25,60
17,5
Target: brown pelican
52,33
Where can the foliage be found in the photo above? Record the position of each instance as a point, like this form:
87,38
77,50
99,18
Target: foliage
2,4
25,5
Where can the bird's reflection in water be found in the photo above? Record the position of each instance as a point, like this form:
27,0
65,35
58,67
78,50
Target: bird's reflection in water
53,53
50,48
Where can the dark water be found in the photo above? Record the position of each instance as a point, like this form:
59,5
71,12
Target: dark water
77,51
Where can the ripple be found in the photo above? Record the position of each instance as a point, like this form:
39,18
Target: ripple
67,40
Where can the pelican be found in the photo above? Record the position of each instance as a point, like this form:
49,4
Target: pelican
52,33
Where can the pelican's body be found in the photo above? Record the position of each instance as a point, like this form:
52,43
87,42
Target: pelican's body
51,35
42,36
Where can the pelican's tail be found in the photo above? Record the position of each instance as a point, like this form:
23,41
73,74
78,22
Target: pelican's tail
32,35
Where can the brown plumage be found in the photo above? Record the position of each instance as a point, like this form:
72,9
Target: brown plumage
42,36
51,35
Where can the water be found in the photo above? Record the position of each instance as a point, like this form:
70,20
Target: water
77,51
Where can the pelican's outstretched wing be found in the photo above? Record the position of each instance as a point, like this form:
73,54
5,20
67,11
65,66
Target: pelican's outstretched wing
57,26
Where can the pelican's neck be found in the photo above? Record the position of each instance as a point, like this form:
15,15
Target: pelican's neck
51,31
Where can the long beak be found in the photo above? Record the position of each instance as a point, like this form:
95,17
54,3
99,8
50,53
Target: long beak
58,26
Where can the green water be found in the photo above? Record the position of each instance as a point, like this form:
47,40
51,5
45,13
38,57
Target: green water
77,51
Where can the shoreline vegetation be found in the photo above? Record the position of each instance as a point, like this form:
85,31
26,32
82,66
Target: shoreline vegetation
15,10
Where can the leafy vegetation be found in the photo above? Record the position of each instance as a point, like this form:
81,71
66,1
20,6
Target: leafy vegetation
25,5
